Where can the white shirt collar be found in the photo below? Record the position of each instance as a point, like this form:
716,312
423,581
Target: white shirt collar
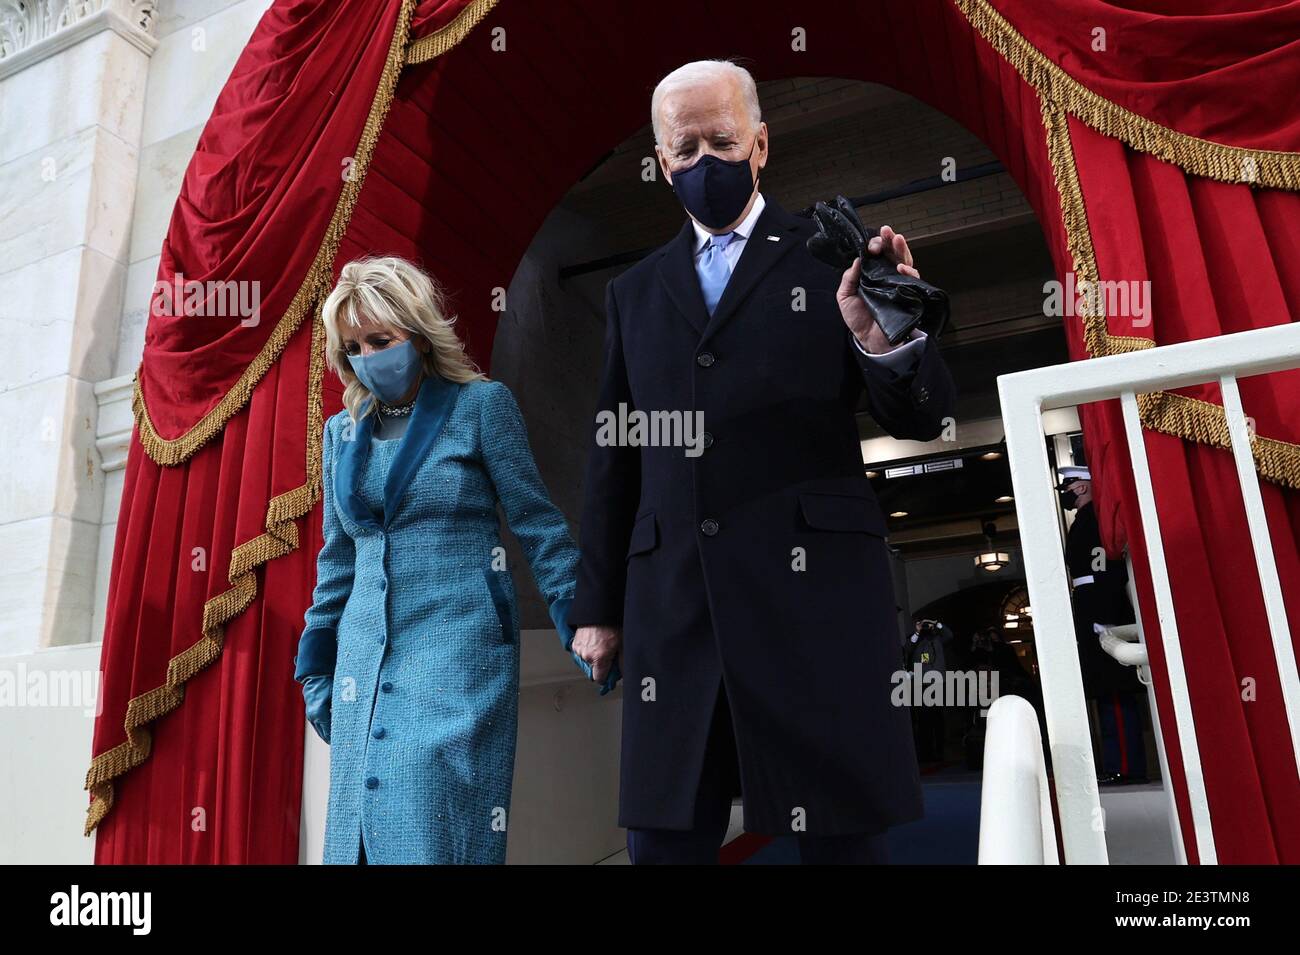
742,231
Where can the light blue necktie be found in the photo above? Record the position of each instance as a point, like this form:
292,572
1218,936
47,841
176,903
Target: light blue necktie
714,270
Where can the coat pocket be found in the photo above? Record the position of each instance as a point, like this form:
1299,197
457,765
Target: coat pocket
645,535
501,602
842,512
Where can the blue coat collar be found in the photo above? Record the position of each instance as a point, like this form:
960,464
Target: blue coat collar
433,404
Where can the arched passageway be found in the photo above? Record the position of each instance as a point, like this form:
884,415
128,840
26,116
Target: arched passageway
453,148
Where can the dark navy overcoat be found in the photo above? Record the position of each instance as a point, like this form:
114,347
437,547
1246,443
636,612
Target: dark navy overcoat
761,562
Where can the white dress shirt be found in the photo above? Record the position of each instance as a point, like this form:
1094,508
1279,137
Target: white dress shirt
901,360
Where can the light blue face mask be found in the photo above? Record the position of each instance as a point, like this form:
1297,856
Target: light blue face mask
388,374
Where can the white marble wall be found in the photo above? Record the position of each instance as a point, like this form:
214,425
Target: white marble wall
48,700
101,104
69,135
199,42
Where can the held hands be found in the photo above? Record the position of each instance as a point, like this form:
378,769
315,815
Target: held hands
598,647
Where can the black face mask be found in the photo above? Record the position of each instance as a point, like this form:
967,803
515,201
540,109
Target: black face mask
715,191
1069,499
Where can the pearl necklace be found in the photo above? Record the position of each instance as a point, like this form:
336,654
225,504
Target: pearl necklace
397,411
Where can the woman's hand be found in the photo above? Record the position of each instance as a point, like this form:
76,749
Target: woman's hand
317,691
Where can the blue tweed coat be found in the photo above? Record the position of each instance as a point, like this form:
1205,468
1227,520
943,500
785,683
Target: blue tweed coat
414,598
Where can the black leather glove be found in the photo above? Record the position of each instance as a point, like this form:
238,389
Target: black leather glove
899,302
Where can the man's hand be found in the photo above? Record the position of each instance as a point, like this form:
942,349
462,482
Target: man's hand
599,646
857,314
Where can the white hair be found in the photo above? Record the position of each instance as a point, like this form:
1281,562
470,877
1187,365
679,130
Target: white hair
702,73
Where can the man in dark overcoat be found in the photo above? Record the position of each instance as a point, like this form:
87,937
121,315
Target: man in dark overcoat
734,562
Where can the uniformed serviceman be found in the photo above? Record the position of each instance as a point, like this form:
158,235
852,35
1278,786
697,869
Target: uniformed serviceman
1101,600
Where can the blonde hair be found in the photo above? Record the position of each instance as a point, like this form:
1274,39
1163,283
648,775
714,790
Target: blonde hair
397,294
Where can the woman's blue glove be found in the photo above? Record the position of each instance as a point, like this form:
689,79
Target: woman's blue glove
317,691
313,667
611,681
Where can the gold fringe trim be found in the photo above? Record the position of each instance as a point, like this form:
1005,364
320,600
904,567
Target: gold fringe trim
279,538
281,534
170,452
1206,423
1078,235
1167,412
444,38
1200,157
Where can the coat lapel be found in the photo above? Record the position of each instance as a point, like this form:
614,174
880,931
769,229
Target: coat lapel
677,271
432,407
759,255
347,473
433,404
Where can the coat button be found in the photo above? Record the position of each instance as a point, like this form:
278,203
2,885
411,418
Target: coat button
705,359
708,439
383,584
386,687
922,394
709,527
372,782
378,733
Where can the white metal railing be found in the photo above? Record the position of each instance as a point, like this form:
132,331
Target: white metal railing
1016,825
1144,676
1124,645
1025,396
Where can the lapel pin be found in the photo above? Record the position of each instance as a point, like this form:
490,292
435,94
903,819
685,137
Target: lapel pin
773,238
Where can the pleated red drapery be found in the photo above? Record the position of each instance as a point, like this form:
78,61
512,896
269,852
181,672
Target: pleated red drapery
1220,258
324,146
213,561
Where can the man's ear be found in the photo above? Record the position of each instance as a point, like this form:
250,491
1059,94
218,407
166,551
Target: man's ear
663,165
762,132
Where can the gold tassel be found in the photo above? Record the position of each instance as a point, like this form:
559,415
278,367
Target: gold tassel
1199,157
443,39
170,452
279,538
1167,412
282,512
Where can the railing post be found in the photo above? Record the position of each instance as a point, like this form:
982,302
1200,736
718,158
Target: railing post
1069,737
1265,561
1184,722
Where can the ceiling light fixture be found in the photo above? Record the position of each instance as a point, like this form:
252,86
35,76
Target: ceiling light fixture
993,559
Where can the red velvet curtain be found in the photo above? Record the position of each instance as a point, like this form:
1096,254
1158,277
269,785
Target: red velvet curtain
1220,258
213,561
221,780
478,144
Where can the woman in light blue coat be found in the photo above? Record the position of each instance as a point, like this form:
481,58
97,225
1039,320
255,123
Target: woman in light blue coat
410,656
